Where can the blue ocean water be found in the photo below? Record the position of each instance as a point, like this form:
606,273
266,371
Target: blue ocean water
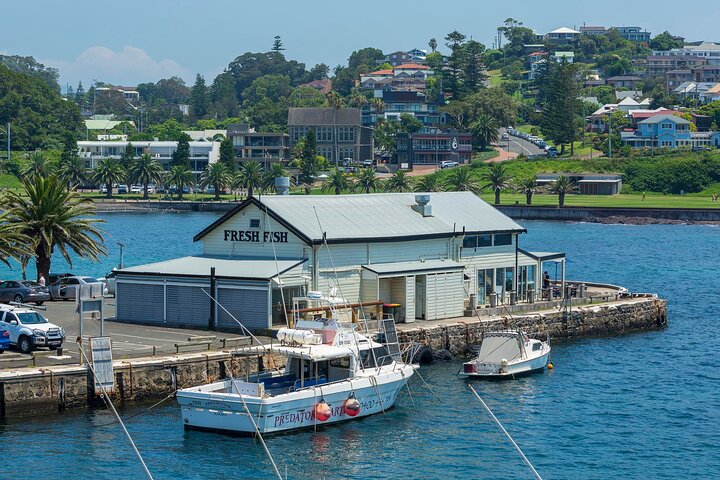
641,405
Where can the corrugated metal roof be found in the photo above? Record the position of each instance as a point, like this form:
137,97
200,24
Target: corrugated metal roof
324,116
199,266
387,215
416,266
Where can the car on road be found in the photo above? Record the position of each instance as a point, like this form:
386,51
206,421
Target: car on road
65,288
28,329
505,136
4,339
449,164
22,291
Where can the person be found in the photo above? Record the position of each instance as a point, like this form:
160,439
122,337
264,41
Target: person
41,280
546,284
643,199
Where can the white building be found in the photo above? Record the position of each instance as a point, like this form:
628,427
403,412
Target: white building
707,50
201,153
429,253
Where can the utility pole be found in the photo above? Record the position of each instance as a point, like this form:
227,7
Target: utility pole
610,135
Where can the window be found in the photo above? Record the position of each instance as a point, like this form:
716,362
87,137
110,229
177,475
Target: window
484,240
342,362
503,239
254,223
470,242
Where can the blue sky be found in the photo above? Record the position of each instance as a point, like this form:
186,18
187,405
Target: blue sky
133,41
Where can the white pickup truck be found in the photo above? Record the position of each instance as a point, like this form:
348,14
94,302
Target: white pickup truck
28,329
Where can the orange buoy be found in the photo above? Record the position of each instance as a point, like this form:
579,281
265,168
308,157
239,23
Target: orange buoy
322,411
352,406
550,366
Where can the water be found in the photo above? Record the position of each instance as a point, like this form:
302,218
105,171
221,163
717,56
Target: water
634,406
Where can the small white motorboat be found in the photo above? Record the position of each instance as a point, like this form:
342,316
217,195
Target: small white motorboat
332,374
507,353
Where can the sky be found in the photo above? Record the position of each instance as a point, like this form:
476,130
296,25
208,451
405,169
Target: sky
134,41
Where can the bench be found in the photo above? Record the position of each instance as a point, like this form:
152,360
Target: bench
236,341
207,341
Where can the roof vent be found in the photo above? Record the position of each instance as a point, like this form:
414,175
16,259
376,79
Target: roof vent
422,206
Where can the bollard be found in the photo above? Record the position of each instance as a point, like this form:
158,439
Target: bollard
531,296
59,351
513,298
493,300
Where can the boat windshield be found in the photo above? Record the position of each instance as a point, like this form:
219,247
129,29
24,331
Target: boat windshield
376,357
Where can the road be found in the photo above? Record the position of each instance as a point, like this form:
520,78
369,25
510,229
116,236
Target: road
128,340
519,146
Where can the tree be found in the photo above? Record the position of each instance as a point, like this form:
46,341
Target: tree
308,154
357,100
409,124
484,131
217,176
378,105
13,243
72,172
462,180
80,96
666,41
180,177
37,165
336,102
145,171
227,154
276,171
399,182
367,180
277,46
306,97
181,155
432,44
53,217
527,186
127,158
199,100
429,183
562,186
456,62
559,87
29,66
473,71
497,178
336,181
368,57
223,100
250,176
108,171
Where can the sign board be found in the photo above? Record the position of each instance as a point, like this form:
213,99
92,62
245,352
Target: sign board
101,350
90,306
404,166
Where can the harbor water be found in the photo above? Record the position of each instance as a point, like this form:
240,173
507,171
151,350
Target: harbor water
643,405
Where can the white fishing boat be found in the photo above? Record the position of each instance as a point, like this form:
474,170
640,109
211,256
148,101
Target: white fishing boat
332,373
507,353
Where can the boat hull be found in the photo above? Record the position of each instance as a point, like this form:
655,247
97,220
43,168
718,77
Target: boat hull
495,371
291,411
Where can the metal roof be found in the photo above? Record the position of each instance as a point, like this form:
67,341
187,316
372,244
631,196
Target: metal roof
543,256
378,216
416,266
324,116
666,117
199,266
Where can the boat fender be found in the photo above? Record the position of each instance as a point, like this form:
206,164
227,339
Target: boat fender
322,411
424,355
550,366
352,406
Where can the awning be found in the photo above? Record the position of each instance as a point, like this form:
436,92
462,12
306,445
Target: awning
419,266
543,256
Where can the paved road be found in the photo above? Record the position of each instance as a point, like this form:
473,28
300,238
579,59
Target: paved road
128,340
519,146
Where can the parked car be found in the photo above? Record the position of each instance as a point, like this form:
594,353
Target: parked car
28,329
367,162
103,189
122,188
65,288
4,339
110,281
22,291
448,164
53,277
505,136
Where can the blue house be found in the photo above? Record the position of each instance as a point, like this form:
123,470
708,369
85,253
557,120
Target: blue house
664,130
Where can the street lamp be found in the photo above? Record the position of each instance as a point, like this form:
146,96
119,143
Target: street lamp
121,245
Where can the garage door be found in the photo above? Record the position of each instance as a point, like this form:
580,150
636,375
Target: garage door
139,303
250,307
187,306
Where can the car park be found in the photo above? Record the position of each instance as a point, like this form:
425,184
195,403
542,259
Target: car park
27,329
22,291
122,188
66,288
448,164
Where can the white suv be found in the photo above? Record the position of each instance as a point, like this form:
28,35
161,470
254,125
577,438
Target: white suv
28,329
448,164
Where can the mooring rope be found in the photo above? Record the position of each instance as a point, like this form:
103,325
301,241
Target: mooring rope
537,475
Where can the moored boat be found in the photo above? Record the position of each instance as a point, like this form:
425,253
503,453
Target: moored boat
507,353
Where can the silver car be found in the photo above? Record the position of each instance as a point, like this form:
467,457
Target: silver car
65,288
22,291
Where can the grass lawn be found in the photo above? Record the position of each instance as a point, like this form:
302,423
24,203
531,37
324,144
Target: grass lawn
485,155
622,200
9,181
579,149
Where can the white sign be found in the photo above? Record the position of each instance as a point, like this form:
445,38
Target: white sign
101,349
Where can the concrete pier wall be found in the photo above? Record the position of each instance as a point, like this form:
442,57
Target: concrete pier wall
586,321
578,214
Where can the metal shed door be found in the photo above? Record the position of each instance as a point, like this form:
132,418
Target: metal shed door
249,306
139,303
187,306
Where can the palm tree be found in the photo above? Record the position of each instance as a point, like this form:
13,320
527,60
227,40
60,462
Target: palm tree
429,183
337,181
13,243
357,100
249,176
276,170
562,186
336,102
180,177
527,186
485,130
146,170
72,172
378,105
462,180
215,174
399,182
53,217
108,171
37,165
367,180
497,178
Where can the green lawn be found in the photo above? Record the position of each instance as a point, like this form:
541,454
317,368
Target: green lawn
485,155
623,200
579,149
9,181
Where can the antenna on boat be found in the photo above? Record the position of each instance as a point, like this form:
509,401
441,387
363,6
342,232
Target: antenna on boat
525,459
277,266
